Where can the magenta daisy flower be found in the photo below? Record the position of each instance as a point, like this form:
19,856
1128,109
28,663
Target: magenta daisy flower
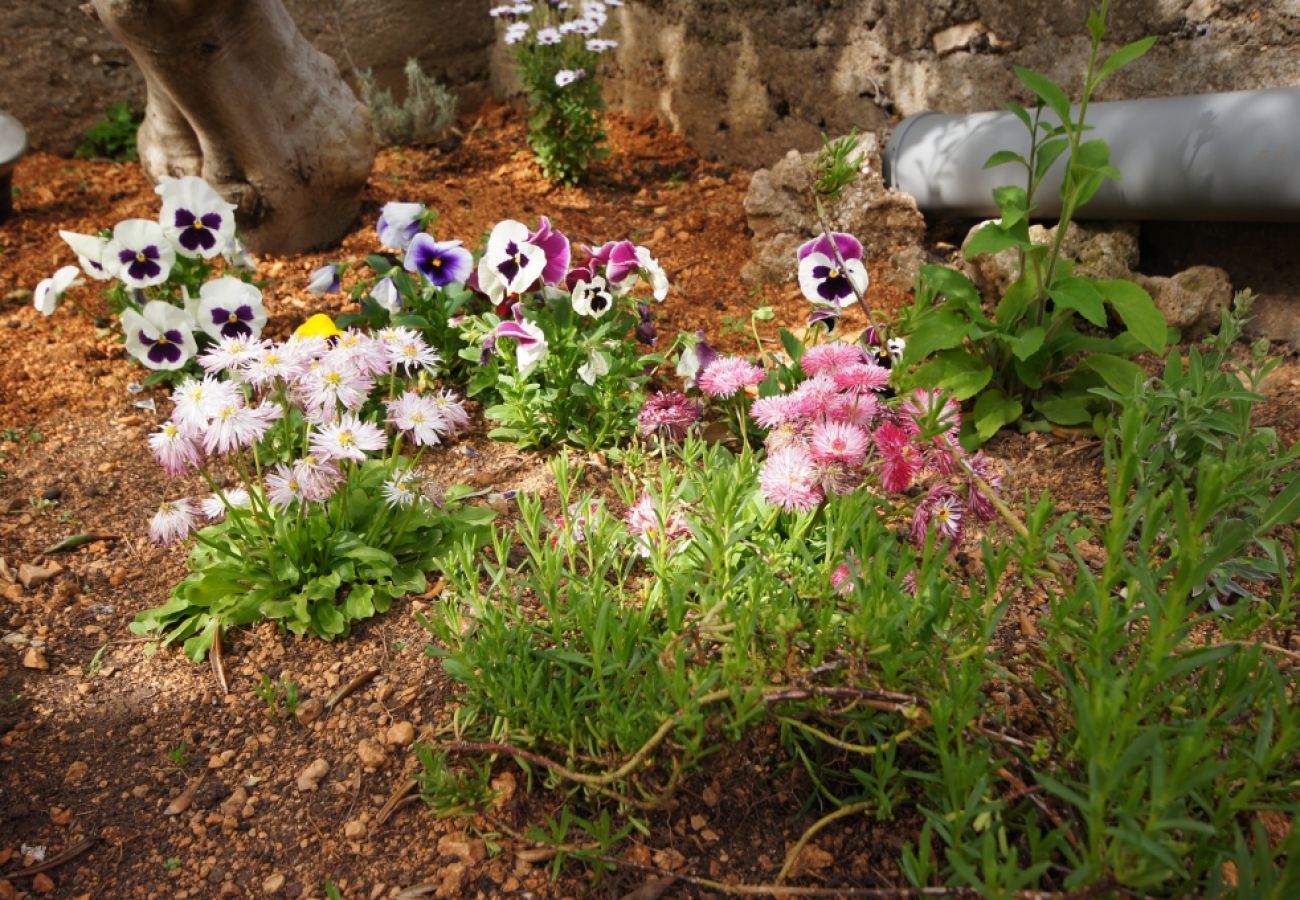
772,412
861,377
670,413
839,442
728,375
789,479
900,454
982,467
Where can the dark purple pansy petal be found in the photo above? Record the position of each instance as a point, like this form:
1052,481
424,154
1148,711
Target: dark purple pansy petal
827,315
848,246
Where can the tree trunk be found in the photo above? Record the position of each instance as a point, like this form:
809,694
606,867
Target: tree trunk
238,96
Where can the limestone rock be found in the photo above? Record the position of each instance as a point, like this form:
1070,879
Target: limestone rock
1098,250
780,213
1191,299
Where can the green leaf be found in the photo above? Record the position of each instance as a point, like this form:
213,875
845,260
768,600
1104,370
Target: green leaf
793,346
958,372
1048,153
1120,374
994,410
953,285
1003,157
380,264
1069,409
1014,302
1284,509
942,330
1022,114
360,602
1080,295
1129,53
1137,311
1046,90
992,237
1027,343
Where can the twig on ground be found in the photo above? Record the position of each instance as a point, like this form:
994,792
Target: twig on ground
54,861
793,856
350,688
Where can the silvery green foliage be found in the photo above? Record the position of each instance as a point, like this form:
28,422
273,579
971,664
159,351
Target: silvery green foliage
422,117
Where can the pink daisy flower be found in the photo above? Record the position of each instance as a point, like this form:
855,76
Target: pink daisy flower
175,451
336,383
282,488
348,438
861,377
419,417
173,521
772,412
982,467
845,574
811,399
649,529
452,410
839,442
830,358
789,479
236,425
670,413
900,454
317,478
728,375
941,510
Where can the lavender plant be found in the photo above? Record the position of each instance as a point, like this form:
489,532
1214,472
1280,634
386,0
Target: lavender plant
557,46
334,534
160,271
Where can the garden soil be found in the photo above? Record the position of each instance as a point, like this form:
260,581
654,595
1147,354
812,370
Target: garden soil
126,772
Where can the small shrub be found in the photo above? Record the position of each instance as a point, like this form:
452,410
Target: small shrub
424,115
113,137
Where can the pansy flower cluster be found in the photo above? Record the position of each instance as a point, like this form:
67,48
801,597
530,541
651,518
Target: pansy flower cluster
159,270
321,441
557,47
559,348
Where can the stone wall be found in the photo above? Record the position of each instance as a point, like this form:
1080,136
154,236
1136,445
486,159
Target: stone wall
743,80
60,70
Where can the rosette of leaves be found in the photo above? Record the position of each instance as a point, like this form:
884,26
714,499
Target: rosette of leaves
316,572
1035,354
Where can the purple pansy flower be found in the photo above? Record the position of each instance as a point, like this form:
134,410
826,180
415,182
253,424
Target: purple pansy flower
325,280
230,308
696,357
385,293
645,328
439,262
159,336
139,253
592,298
511,264
194,216
530,341
556,247
399,223
90,253
826,313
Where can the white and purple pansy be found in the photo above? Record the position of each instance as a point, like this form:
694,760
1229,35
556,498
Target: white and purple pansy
566,77
386,294
399,223
49,292
325,280
230,308
592,298
139,253
159,336
439,262
195,218
530,342
511,264
90,253
823,278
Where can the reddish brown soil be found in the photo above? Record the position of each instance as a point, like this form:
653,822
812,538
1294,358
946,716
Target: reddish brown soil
99,743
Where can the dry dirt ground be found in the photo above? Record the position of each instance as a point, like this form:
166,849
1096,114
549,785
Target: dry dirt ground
98,735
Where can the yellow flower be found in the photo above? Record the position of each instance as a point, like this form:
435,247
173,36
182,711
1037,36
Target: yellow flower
319,325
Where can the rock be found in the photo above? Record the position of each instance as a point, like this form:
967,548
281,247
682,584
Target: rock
273,884
35,659
53,492
1276,317
401,734
463,847
354,830
76,772
309,778
309,711
42,883
34,576
1190,300
233,804
371,753
780,214
972,36
1100,250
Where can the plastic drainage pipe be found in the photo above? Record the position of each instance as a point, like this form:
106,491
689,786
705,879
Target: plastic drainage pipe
13,143
1213,157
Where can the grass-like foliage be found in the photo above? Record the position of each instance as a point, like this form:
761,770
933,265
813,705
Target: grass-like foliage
1034,355
424,115
113,137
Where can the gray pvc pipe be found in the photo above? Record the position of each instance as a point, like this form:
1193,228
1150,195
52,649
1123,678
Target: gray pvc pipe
1214,157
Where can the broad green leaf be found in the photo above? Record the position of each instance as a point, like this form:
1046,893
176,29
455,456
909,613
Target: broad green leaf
1120,374
953,285
1123,56
1026,343
992,237
1047,90
1070,409
1014,302
994,410
1048,153
959,372
1003,157
1137,311
793,346
380,264
941,331
1080,295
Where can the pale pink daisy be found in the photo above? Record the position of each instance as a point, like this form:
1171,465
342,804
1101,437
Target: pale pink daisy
361,351
861,377
197,401
173,521
317,478
395,334
811,399
215,508
859,409
839,442
789,479
276,362
336,383
772,412
728,375
830,358
232,354
412,354
452,409
348,438
236,425
282,488
401,489
175,451
942,510
651,530
419,417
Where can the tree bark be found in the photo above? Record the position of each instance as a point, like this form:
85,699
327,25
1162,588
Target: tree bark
237,96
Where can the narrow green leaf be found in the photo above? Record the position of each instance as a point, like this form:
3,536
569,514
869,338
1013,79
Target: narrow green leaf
1125,55
1004,157
1046,90
1048,153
